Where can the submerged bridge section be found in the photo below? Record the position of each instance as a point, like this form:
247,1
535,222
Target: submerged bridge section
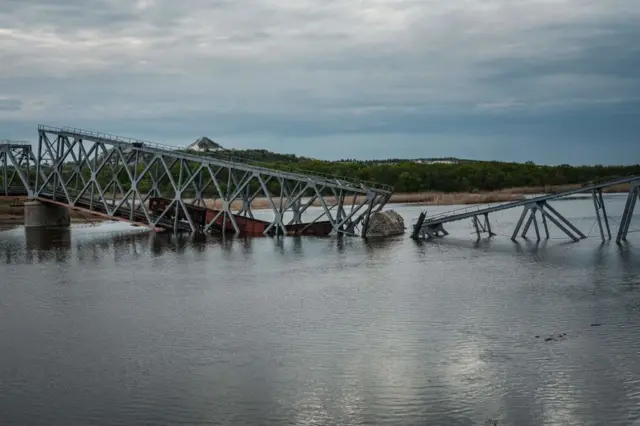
426,227
168,188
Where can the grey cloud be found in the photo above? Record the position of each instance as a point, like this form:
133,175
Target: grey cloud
10,104
610,51
319,67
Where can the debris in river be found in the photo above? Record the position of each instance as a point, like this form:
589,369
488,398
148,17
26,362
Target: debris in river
556,337
385,224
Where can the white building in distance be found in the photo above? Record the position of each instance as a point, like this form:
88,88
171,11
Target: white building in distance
204,144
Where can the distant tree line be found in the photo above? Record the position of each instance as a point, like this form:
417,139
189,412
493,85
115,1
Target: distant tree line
410,176
458,176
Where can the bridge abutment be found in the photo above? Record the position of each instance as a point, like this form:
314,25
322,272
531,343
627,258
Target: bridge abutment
42,215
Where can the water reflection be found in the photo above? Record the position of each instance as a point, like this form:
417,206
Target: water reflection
138,327
47,240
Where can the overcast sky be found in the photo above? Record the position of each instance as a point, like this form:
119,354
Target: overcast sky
552,81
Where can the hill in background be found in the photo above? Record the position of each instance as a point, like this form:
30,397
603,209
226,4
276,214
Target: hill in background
205,145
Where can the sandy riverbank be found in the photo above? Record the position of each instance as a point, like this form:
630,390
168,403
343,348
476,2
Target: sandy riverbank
13,214
443,198
433,198
500,196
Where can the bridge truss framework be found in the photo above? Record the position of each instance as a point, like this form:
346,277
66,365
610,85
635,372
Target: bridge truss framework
534,209
117,177
17,165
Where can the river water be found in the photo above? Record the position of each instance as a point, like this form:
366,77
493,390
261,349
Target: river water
112,325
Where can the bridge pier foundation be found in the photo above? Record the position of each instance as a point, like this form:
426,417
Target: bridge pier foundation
43,215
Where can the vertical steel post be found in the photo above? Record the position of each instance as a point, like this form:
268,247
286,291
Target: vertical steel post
535,222
134,185
519,223
604,212
36,188
597,208
225,200
528,224
487,225
5,177
94,176
281,205
365,226
628,213
475,225
544,225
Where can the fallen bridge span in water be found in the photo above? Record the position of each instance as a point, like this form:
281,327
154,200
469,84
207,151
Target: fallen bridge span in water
167,188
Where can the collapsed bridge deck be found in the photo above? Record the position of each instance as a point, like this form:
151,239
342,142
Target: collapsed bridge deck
426,227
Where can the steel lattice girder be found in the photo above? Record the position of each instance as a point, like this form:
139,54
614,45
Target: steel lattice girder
17,169
428,227
118,177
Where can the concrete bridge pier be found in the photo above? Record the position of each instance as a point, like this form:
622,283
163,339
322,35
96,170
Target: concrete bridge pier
43,215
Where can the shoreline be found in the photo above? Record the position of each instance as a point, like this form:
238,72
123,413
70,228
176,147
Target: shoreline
13,214
437,198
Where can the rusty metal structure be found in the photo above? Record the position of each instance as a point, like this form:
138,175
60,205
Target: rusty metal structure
168,188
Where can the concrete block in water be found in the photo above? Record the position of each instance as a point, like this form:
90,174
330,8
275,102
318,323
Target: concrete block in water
385,224
43,215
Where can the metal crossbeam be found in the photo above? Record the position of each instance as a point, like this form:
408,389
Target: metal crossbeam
121,177
429,227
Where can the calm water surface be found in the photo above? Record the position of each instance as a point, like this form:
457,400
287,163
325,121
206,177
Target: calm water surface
111,325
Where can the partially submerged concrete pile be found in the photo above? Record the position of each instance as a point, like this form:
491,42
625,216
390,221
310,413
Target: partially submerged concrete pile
385,224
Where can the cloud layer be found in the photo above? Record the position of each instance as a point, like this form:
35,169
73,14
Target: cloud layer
333,78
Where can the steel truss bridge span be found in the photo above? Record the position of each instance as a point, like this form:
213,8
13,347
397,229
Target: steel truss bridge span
167,188
426,227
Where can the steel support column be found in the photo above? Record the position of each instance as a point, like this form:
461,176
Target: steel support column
597,207
632,198
525,210
604,212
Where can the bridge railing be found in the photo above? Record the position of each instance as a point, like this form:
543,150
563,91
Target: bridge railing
462,210
231,159
10,143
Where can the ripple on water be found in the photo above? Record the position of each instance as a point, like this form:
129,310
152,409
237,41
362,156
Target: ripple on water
108,327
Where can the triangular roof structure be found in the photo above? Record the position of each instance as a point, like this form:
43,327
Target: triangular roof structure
205,144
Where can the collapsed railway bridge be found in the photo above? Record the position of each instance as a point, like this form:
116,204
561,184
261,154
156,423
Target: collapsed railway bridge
167,188
534,209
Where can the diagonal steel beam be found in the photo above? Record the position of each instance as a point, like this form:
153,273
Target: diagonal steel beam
564,220
546,214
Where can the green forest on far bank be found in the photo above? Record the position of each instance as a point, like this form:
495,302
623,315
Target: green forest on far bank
459,176
443,175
